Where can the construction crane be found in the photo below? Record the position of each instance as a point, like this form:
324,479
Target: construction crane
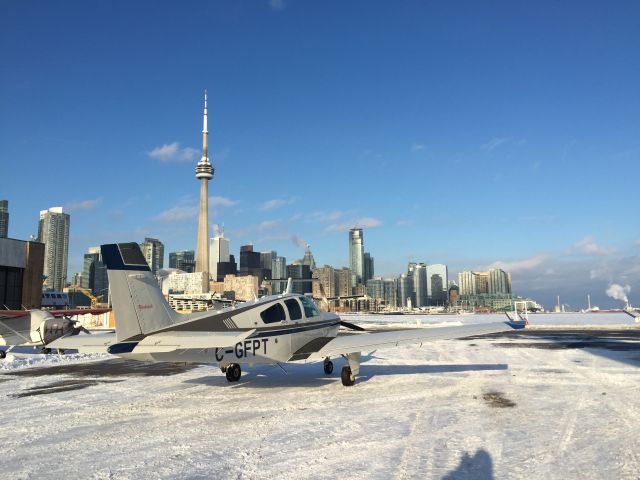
95,301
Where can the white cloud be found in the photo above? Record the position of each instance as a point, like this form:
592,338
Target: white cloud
221,202
519,265
498,141
177,214
588,246
365,222
172,152
271,204
277,4
83,205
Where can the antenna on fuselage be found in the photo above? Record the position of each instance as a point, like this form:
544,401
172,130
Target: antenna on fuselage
289,285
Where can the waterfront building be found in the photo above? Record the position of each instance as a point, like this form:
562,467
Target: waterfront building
53,231
467,283
301,278
245,288
153,251
368,267
327,277
219,247
437,281
482,282
204,173
184,260
420,285
21,269
345,285
454,294
390,288
94,274
4,218
183,283
499,281
356,255
404,289
375,288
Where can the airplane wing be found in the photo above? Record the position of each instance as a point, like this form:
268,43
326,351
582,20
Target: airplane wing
369,341
78,311
172,340
94,343
157,343
8,314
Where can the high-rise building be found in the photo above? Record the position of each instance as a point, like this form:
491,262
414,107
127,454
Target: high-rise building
53,231
368,267
204,173
437,283
356,254
308,258
184,260
227,268
390,288
278,272
420,285
499,281
94,274
153,251
218,252
4,218
345,279
405,289
327,276
301,278
467,283
482,282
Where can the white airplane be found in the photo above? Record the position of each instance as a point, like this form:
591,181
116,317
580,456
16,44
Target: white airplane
37,328
271,330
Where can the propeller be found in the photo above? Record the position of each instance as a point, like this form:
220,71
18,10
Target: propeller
352,326
348,325
76,328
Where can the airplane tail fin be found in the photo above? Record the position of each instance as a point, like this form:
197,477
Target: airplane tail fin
138,304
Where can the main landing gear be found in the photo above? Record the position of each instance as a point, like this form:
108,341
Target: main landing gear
328,366
3,354
233,372
351,370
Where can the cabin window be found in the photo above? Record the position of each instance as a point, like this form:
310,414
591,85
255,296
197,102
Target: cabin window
310,309
294,309
275,313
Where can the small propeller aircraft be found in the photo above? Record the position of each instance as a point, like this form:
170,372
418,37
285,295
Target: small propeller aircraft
272,330
38,327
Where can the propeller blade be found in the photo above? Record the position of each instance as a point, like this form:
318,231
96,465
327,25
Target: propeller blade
352,326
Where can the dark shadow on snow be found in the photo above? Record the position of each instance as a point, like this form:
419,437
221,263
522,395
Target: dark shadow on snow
478,467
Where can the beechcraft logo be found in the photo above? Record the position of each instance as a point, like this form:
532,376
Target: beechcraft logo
142,307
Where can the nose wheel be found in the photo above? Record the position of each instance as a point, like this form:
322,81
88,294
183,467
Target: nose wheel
328,366
3,354
233,372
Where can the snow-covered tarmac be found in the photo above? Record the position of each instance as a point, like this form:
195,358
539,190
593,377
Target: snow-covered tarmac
517,406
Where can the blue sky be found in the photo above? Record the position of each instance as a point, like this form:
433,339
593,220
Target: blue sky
467,133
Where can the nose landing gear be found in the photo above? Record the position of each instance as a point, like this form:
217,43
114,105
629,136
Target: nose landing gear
233,372
328,366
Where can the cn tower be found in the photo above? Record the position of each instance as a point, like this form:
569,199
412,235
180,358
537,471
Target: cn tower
204,173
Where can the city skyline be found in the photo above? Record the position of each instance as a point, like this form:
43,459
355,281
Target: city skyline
459,139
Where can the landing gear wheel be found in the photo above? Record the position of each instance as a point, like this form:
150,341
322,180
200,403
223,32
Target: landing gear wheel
61,351
346,377
3,354
46,351
328,367
223,369
233,372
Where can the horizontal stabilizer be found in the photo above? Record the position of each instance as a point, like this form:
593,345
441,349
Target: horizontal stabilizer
95,343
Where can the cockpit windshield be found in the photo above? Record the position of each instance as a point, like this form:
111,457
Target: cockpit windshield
310,309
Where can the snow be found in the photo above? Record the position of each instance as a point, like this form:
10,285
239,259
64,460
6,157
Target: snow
497,407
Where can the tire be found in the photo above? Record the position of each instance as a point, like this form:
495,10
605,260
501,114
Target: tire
328,367
61,351
346,377
46,351
3,354
233,372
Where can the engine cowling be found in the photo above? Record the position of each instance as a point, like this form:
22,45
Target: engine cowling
45,328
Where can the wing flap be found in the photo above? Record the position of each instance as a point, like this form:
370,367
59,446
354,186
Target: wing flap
368,341
170,341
